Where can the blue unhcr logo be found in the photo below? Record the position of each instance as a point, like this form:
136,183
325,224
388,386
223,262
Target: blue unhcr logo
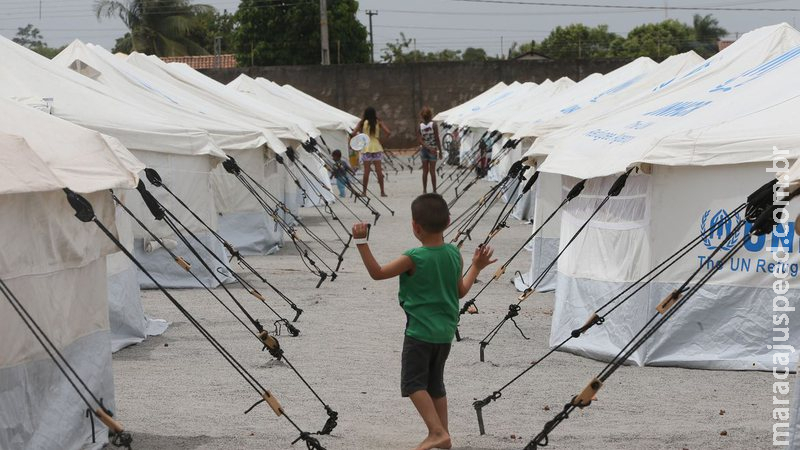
721,230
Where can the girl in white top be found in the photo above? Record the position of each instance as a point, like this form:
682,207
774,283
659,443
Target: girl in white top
430,149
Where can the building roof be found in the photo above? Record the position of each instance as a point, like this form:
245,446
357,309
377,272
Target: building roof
204,61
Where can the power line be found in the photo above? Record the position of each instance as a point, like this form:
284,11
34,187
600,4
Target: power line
630,7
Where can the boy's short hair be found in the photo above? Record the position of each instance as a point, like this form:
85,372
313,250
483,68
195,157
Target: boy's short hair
336,153
430,211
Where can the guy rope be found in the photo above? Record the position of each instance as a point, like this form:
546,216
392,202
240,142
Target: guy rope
155,180
599,316
761,208
94,408
514,308
85,213
574,192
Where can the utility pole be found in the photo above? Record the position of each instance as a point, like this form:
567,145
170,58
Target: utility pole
502,50
323,25
666,10
218,52
371,13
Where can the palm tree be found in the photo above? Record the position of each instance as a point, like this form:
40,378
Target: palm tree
707,33
157,27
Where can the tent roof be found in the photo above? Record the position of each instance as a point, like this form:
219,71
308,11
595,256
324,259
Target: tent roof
138,87
284,124
36,81
579,96
346,116
272,94
445,116
615,90
40,152
731,109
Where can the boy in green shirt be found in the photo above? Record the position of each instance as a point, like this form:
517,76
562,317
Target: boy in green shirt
430,286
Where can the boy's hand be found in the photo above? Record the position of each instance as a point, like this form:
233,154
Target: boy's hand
360,230
483,257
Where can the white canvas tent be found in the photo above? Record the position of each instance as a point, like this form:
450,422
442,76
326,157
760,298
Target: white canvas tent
334,127
446,116
704,142
574,107
56,266
290,128
241,219
183,156
345,116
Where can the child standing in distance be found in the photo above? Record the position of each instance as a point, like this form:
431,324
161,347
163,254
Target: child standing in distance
372,154
430,149
340,168
430,286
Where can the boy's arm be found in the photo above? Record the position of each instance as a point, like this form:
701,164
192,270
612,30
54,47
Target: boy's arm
481,259
376,271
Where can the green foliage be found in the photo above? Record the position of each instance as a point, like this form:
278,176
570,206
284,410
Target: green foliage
579,41
210,25
658,40
655,40
707,33
474,54
30,37
271,32
400,52
160,27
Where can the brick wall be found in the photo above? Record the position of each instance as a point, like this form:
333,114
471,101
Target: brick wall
398,91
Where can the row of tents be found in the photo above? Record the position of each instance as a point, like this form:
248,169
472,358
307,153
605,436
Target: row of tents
87,122
697,137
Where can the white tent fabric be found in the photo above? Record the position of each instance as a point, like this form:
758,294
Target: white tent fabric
334,125
56,267
241,219
287,126
709,136
445,116
129,325
619,86
184,156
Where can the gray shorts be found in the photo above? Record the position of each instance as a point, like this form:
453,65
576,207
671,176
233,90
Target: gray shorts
422,367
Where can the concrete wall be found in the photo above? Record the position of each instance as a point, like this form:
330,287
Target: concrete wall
398,91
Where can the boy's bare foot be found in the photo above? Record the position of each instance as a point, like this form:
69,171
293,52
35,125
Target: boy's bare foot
436,440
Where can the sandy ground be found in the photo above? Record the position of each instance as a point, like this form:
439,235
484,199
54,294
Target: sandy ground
175,392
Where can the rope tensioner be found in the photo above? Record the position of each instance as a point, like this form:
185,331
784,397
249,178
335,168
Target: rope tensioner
85,213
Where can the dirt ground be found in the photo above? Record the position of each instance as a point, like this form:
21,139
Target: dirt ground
175,392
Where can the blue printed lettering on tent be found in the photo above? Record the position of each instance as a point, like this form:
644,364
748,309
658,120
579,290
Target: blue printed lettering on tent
570,109
758,72
639,125
678,109
691,73
617,88
609,136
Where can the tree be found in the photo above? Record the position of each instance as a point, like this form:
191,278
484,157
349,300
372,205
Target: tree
279,32
579,41
29,36
658,40
210,25
707,34
160,27
474,54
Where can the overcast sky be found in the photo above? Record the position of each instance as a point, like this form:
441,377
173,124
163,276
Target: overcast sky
435,24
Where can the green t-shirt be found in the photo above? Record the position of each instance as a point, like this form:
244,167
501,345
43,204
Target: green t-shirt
430,296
